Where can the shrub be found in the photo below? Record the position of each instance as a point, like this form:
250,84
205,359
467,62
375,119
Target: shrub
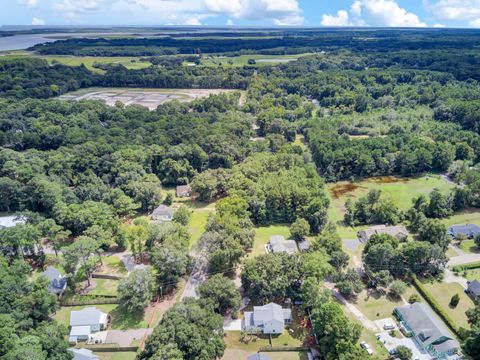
397,288
454,300
474,265
414,298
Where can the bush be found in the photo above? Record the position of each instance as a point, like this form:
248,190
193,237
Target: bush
414,298
455,300
404,353
397,288
474,265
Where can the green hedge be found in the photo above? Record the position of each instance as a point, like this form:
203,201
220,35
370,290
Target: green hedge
459,268
436,306
89,300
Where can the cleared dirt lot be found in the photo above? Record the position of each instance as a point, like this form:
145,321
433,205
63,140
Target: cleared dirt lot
150,98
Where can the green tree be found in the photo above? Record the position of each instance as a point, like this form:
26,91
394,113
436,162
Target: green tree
299,229
136,291
221,293
403,353
182,215
397,288
454,300
170,263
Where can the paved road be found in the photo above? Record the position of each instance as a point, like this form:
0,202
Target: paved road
198,275
463,259
366,322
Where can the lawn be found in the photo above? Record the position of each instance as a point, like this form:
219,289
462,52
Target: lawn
469,247
104,287
473,274
442,292
400,190
242,60
120,355
198,221
88,61
368,336
470,216
263,234
112,265
377,306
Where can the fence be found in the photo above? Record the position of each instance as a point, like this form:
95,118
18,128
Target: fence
111,348
282,348
105,276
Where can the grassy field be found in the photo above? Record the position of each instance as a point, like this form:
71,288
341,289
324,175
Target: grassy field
132,63
442,292
368,336
400,190
242,60
128,355
112,265
104,287
469,247
473,274
262,237
470,216
377,306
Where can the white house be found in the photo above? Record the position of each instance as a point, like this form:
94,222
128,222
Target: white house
267,319
278,244
86,321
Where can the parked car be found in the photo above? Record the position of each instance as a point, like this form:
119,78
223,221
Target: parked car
367,347
388,326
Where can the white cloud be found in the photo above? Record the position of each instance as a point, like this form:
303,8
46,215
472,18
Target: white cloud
465,11
341,19
29,3
229,22
475,23
281,12
78,6
439,26
37,21
374,13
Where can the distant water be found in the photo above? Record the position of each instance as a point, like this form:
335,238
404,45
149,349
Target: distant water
20,42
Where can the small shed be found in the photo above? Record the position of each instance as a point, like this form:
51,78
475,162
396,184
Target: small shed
183,191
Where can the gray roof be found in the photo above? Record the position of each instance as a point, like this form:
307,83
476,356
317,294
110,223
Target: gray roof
259,356
474,287
278,244
429,329
58,282
304,245
161,211
270,312
83,354
468,230
87,316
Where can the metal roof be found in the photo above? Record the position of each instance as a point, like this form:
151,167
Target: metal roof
87,316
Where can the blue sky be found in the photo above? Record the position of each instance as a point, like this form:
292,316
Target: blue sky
395,13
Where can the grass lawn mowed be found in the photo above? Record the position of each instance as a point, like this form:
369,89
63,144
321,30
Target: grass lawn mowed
442,292
469,247
263,234
112,265
120,355
242,60
132,63
104,287
400,190
473,274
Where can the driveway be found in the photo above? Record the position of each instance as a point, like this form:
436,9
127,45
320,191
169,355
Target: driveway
198,275
126,337
232,325
394,342
366,322
450,277
463,259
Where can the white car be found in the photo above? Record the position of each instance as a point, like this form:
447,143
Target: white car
388,326
367,347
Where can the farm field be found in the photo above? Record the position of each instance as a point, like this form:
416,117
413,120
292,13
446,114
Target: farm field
150,98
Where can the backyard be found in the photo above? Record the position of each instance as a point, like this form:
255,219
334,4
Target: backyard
442,292
263,234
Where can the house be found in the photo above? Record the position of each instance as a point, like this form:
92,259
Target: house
278,244
266,319
303,245
183,191
400,232
469,231
83,354
86,321
162,213
58,282
427,330
474,290
259,356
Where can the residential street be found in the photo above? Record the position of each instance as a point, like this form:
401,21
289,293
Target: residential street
463,259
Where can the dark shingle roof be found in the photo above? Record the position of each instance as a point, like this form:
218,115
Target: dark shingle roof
474,287
469,230
259,356
58,282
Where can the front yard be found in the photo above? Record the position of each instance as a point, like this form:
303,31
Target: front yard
469,247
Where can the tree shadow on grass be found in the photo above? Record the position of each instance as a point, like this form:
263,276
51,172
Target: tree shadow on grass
124,319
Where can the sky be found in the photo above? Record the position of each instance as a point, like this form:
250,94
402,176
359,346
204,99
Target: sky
313,13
